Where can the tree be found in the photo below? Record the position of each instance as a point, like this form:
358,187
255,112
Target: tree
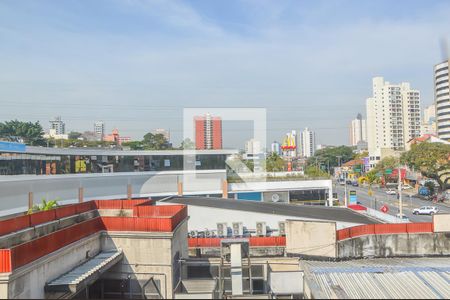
431,159
370,178
330,156
313,172
274,163
73,135
187,144
155,142
431,188
27,132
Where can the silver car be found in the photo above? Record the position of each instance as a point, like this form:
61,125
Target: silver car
426,210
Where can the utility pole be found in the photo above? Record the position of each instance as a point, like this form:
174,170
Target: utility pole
345,180
400,204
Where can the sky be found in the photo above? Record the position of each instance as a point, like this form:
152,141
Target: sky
137,64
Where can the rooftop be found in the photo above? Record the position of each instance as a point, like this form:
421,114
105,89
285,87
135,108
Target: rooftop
384,278
302,211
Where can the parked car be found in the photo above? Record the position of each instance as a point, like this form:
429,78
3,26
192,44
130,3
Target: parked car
425,210
355,183
406,187
424,191
391,192
348,182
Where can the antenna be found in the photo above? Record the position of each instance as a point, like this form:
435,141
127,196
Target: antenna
444,49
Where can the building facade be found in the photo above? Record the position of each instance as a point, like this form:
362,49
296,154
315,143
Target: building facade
442,99
253,147
58,126
208,132
164,132
308,143
99,130
358,131
428,125
275,148
393,115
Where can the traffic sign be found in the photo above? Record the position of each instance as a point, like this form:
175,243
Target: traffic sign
388,171
384,209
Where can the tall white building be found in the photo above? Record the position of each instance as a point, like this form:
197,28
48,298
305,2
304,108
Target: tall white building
57,126
253,147
358,131
393,116
308,142
428,125
99,130
442,99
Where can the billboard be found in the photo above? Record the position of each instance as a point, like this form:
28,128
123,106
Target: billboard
353,198
12,147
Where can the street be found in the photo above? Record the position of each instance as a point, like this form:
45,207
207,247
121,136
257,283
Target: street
380,198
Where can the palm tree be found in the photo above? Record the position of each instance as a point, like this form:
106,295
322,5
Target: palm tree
370,178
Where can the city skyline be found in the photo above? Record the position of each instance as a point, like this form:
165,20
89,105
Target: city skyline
288,66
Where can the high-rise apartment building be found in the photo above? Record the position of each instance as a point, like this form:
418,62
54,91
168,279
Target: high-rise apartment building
57,126
308,143
442,99
358,130
208,132
393,116
99,130
428,125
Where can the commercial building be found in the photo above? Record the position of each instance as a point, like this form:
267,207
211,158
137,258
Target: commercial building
97,249
208,132
393,116
19,159
99,130
209,248
442,99
308,142
358,131
116,138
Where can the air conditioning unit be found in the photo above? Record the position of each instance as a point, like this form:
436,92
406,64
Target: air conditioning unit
193,234
222,229
207,233
238,229
261,229
281,228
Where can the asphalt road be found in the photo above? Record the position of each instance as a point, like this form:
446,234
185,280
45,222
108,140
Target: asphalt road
380,198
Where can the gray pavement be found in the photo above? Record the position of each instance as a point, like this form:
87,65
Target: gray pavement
380,198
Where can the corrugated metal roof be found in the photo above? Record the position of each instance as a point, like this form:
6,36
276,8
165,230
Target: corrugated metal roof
86,272
415,278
